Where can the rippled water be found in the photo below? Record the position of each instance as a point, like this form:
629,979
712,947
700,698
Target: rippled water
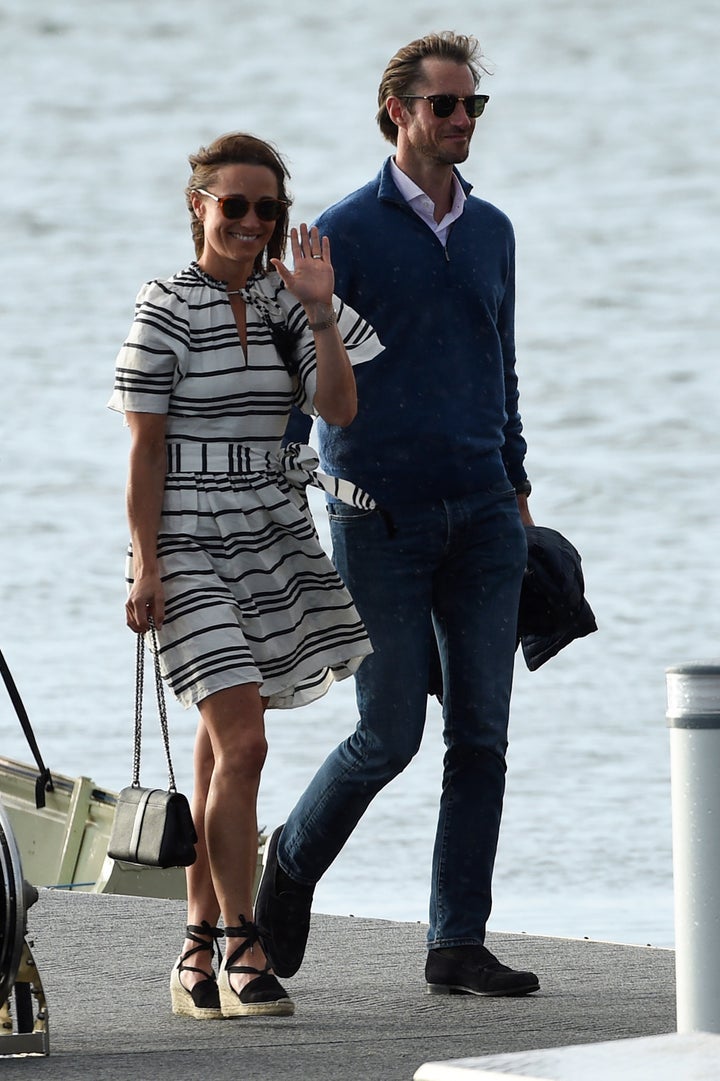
600,141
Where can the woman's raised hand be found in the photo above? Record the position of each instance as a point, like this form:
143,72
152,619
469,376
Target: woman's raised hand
312,278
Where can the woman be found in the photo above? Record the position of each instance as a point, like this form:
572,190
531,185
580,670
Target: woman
223,554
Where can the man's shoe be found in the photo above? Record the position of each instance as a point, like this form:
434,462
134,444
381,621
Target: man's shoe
282,913
473,970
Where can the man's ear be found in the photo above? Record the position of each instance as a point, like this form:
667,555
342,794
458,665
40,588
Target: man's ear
397,111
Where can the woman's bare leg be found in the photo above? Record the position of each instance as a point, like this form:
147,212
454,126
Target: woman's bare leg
203,904
234,722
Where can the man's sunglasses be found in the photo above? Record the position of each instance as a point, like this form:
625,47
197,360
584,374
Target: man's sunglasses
237,206
444,105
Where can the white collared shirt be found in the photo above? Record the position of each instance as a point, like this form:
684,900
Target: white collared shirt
423,205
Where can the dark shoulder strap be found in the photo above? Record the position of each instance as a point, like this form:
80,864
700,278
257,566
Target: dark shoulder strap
44,782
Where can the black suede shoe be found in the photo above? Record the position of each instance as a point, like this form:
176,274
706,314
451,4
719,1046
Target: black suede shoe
473,970
282,913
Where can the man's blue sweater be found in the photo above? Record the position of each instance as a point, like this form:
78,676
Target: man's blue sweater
438,409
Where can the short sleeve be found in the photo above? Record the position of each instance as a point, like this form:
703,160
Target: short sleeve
359,338
147,365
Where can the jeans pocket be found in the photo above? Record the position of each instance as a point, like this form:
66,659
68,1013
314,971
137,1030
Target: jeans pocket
343,512
502,487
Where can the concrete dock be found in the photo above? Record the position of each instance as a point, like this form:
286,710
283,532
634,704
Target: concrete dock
362,1011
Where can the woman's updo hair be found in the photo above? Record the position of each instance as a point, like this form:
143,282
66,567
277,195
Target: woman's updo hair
238,148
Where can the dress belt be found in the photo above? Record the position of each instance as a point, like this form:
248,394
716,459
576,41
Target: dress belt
296,461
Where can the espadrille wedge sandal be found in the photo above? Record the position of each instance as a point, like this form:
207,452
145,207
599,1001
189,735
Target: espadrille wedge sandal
202,1001
261,997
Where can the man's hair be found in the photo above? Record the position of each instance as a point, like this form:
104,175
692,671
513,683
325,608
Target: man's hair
403,72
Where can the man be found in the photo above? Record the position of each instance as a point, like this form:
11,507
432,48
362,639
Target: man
438,443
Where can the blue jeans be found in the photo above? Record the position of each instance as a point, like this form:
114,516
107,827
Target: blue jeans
452,570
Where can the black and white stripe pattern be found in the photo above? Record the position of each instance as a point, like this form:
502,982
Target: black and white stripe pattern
250,594
300,465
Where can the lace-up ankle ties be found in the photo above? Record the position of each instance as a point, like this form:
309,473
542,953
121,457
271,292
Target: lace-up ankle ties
202,1001
261,996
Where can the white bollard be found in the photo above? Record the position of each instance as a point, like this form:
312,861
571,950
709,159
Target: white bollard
693,695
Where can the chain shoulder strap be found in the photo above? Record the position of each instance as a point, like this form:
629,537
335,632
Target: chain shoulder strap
162,710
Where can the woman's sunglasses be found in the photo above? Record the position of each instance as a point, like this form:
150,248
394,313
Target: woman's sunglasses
444,105
237,206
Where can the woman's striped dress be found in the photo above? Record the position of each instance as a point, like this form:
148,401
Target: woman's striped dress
250,595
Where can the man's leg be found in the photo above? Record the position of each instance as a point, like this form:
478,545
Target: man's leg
475,606
390,578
